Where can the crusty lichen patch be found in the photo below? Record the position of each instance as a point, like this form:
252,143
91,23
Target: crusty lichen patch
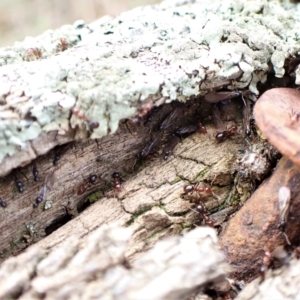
164,52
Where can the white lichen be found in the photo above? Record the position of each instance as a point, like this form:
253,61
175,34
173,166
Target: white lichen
168,51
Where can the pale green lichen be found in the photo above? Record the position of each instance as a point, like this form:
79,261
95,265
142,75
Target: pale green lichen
167,51
31,229
48,204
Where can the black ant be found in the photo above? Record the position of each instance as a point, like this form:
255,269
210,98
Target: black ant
179,133
222,135
171,117
2,203
47,186
149,118
117,181
148,149
154,143
171,144
215,97
19,184
186,130
35,172
83,187
175,138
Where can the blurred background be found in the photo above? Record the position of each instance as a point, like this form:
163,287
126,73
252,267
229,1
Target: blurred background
20,18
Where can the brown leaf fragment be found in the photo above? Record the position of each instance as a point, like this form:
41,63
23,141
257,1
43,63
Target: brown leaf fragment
277,114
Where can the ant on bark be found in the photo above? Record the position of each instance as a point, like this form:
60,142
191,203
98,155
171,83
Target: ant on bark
84,186
222,134
267,259
3,203
47,186
197,194
201,210
117,181
19,184
35,172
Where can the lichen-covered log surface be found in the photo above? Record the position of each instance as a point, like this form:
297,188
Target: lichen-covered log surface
108,122
151,54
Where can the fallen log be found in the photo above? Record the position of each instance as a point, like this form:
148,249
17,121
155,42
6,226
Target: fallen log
94,97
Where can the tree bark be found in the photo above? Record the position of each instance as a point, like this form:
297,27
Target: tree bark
98,269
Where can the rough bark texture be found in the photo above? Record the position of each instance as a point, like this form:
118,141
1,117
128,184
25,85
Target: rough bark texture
280,284
125,66
99,270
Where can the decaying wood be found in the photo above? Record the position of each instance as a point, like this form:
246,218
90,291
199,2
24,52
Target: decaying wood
98,268
155,191
280,284
125,66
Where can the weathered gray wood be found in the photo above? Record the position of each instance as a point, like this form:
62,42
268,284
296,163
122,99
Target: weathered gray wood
279,284
173,269
159,185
